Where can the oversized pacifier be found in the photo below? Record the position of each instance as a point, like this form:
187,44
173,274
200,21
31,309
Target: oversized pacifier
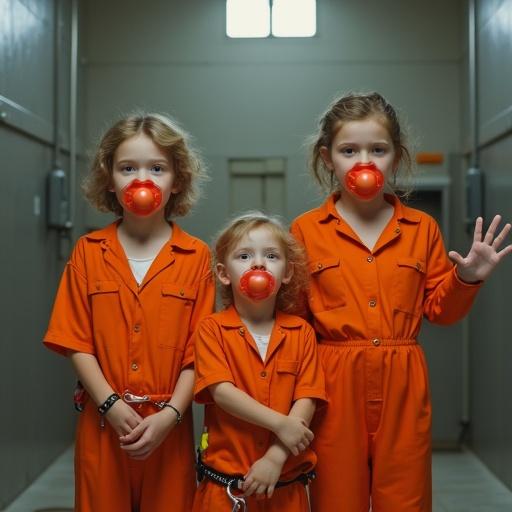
257,284
364,180
142,197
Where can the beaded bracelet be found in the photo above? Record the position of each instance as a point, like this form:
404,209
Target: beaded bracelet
167,404
108,403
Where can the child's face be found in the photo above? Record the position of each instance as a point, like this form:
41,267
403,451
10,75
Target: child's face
140,158
363,141
258,249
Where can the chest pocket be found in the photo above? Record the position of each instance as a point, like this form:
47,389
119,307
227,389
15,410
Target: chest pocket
287,371
409,285
105,307
100,287
283,366
327,285
176,308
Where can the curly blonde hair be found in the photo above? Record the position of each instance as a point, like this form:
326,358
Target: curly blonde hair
356,107
186,162
291,296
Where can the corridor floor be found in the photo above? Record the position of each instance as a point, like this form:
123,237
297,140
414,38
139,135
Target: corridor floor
461,484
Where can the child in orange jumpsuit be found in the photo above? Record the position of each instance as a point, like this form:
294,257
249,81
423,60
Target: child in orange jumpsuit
377,267
258,373
129,299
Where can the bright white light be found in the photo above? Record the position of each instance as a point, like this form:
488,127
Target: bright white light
294,18
248,18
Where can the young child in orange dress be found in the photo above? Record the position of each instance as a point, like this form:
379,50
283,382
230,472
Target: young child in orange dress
258,373
377,267
128,302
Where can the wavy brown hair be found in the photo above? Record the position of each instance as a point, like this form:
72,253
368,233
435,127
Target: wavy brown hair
186,162
290,297
356,107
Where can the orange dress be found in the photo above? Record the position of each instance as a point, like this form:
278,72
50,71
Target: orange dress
141,337
226,352
366,306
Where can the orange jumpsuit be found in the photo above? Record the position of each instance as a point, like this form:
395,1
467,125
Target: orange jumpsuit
374,437
141,337
226,352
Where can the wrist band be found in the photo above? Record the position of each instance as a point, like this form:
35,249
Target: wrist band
167,404
108,403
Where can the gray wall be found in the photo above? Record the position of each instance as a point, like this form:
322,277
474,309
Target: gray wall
491,349
35,386
260,98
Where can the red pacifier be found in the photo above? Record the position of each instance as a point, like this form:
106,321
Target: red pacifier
364,180
142,197
257,284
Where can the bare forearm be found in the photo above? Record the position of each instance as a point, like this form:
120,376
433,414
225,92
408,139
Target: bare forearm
183,391
304,408
90,375
277,452
244,407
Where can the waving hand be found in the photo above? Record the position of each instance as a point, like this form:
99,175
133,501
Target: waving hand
484,254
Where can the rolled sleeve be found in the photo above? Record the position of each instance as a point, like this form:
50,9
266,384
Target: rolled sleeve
211,366
447,298
70,323
203,306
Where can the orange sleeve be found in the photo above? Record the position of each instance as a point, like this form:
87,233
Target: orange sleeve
70,322
310,381
304,311
203,305
447,298
211,365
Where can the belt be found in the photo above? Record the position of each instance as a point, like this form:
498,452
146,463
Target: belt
235,481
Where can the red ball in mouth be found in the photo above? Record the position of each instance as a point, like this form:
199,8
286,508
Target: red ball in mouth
257,284
142,197
364,180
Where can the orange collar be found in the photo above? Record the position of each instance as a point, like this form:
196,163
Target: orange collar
230,318
328,210
179,240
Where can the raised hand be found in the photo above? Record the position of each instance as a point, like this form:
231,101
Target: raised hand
484,254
